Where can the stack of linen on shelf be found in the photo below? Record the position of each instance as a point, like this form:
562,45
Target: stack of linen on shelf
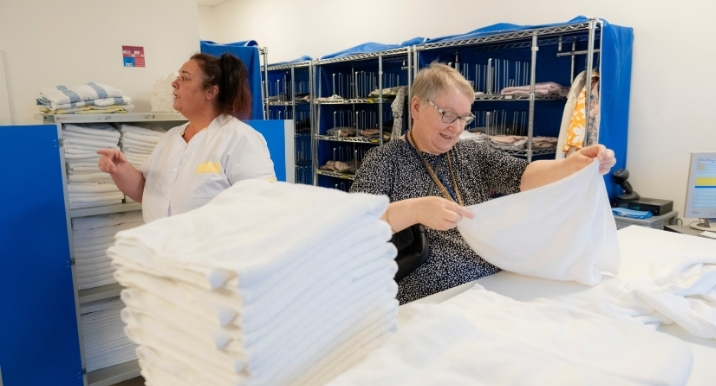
138,142
519,142
103,338
91,236
271,299
90,98
162,95
543,88
87,185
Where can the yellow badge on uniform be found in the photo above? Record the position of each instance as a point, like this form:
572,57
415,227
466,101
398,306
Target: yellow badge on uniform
208,167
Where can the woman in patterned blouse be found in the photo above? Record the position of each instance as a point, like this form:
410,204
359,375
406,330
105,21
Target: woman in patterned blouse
429,175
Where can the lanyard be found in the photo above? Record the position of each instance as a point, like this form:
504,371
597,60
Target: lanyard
442,184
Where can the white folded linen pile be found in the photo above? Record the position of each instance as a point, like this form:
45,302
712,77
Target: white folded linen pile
162,95
91,236
482,338
261,286
103,338
138,142
87,185
90,98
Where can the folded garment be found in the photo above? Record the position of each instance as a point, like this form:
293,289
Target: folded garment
104,231
106,220
92,248
90,177
95,283
162,97
89,91
479,337
91,110
138,143
83,157
139,133
91,187
81,205
92,241
93,271
47,104
543,88
567,228
94,129
96,136
122,100
89,197
631,213
98,143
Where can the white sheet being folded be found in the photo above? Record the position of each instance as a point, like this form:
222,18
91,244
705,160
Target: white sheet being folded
480,337
566,230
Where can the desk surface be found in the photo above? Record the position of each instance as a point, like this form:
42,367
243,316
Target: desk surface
640,246
686,230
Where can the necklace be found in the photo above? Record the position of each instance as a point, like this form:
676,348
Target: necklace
434,176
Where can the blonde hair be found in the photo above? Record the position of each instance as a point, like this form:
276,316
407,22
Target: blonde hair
439,77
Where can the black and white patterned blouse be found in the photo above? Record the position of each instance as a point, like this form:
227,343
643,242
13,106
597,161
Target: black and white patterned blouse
395,170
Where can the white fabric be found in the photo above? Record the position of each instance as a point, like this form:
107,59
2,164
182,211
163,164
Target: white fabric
90,177
105,220
162,95
274,300
173,185
103,338
98,130
482,338
577,86
83,92
91,188
566,230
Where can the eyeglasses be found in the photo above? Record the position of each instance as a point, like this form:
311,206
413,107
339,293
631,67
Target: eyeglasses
449,117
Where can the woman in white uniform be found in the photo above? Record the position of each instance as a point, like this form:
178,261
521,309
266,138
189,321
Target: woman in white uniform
196,161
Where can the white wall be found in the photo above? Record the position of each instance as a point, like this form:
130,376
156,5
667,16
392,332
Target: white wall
671,82
49,42
208,28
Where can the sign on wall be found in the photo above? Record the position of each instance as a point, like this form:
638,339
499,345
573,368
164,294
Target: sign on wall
133,56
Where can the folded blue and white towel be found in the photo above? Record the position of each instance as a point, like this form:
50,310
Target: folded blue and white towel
631,213
62,95
112,101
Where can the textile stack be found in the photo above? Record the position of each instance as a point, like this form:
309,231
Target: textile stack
90,98
271,301
91,236
104,341
162,95
137,142
87,185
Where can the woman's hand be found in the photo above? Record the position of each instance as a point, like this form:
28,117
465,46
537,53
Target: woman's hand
585,156
439,213
111,160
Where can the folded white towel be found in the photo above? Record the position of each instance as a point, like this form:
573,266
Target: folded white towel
101,305
139,133
138,143
92,248
91,197
95,130
92,144
83,157
106,220
89,91
81,205
76,243
162,97
121,100
91,187
90,177
567,230
479,337
104,231
89,137
96,283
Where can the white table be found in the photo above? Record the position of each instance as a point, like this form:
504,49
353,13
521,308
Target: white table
640,246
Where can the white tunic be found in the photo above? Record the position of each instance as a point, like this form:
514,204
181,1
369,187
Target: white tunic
182,176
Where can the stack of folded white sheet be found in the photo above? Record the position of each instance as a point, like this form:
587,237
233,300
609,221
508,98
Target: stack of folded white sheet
90,98
87,185
482,338
162,98
254,288
138,142
91,236
103,338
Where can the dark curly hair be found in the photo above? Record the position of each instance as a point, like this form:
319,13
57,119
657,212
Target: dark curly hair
230,75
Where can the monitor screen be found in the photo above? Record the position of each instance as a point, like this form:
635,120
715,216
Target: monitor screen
701,191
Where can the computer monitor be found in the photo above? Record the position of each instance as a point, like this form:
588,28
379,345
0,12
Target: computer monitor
701,191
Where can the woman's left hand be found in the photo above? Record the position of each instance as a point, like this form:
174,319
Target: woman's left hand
586,155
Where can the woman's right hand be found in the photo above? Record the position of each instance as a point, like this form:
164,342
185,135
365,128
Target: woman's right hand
111,160
439,213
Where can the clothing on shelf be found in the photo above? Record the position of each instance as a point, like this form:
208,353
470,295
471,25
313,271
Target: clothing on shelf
87,185
569,107
104,341
631,213
581,121
481,338
544,88
519,142
137,142
342,132
341,167
91,236
397,108
302,310
566,228
91,98
162,95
